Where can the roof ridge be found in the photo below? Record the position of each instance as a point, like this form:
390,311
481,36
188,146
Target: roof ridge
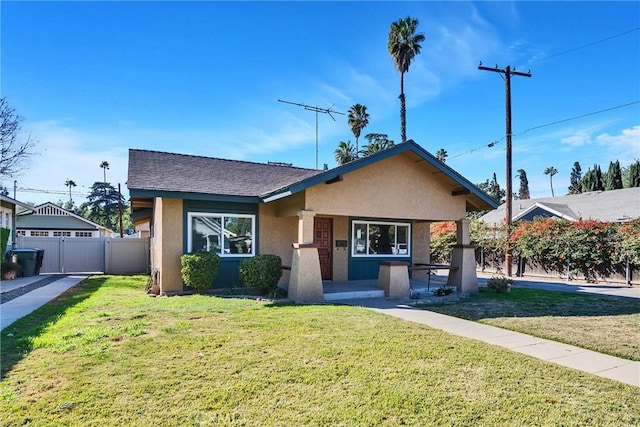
224,160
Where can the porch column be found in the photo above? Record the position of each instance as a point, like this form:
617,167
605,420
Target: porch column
305,282
463,257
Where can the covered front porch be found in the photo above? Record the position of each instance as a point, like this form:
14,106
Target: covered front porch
343,290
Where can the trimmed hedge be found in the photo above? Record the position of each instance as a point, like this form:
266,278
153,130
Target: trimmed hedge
262,272
4,238
199,269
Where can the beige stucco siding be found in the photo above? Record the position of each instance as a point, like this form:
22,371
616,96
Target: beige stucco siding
166,244
398,187
276,235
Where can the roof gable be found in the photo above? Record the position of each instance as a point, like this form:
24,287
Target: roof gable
462,185
50,215
608,206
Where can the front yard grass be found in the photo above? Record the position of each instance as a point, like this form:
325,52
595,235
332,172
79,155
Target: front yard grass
601,323
105,354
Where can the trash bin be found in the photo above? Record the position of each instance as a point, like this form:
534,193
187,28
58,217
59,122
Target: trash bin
27,258
39,259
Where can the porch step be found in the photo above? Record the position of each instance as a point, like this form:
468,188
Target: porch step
373,293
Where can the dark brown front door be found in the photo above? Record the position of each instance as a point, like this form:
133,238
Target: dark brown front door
322,238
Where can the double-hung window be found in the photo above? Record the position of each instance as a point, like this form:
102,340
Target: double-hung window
373,238
224,234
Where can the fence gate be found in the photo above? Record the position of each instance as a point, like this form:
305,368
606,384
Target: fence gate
90,254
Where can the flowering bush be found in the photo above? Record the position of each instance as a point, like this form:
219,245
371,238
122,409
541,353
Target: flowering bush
443,239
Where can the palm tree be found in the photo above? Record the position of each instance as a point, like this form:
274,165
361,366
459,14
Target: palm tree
358,119
441,155
404,44
104,165
69,183
551,171
377,142
345,152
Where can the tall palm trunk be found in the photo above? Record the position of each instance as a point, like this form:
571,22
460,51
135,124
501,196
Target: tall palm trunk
403,111
551,183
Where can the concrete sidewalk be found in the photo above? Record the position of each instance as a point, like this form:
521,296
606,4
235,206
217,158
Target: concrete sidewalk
603,365
23,305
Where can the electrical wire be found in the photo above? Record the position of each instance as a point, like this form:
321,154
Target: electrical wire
584,46
493,143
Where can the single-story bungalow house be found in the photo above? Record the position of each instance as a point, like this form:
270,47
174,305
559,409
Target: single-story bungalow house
607,206
338,224
7,217
51,220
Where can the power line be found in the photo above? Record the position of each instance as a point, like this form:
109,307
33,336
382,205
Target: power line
584,46
493,143
38,190
578,117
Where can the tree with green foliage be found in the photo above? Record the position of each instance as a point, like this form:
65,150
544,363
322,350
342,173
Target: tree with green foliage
575,181
631,175
523,192
442,155
358,119
403,44
102,207
376,142
493,190
345,153
613,177
592,180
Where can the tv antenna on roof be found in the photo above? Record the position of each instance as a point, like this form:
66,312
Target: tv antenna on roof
317,110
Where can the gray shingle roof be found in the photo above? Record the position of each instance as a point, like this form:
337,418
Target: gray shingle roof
608,206
160,171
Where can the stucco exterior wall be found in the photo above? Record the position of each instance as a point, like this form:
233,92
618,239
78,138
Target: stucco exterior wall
166,244
276,235
398,187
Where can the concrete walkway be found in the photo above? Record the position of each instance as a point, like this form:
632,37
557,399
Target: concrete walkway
603,365
23,305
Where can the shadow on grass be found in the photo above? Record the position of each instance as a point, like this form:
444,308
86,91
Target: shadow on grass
526,302
17,338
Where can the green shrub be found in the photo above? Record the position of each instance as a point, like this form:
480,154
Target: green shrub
500,284
4,238
262,272
199,269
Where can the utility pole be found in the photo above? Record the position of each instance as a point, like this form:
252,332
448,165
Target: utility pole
317,110
507,72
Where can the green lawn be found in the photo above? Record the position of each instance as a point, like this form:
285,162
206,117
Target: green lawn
106,354
602,323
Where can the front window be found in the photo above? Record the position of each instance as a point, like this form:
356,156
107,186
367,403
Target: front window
380,239
39,233
224,234
61,234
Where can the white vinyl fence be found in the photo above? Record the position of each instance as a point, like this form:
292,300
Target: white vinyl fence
90,254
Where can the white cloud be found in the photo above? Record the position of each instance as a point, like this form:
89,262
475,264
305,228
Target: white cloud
578,139
625,146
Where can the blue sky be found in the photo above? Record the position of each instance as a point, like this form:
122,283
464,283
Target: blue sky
93,79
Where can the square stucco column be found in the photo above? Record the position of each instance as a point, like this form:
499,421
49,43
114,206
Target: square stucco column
463,257
305,282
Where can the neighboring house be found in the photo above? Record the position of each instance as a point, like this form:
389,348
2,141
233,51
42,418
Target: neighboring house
327,225
50,220
607,206
7,217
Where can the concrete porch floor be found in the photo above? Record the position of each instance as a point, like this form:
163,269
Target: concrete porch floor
334,290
